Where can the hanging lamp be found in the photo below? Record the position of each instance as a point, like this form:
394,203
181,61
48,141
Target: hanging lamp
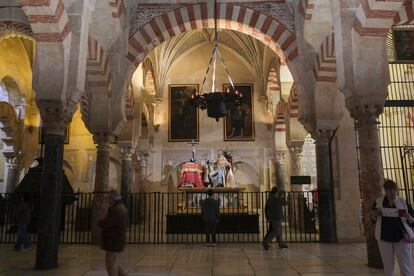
218,104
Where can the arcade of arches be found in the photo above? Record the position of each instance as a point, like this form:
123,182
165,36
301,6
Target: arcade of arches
95,87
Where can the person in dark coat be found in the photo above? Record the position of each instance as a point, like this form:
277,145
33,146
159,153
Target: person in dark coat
23,214
274,216
211,215
114,227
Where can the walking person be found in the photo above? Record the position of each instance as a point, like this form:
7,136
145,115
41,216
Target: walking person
394,233
23,215
114,227
274,216
210,212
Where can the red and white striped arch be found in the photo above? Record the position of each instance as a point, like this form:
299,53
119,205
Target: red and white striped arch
273,82
306,8
201,15
325,62
98,73
280,117
48,19
376,17
293,103
406,14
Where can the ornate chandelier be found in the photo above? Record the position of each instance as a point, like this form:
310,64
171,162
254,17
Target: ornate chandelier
218,104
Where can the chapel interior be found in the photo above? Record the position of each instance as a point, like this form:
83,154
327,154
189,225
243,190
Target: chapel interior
101,95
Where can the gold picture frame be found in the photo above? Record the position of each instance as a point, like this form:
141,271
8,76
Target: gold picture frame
239,123
183,117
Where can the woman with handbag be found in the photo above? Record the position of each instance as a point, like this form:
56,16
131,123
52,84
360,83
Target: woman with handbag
394,233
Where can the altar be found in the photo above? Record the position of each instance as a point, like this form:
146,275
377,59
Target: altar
235,216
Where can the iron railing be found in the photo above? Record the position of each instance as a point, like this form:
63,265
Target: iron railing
175,217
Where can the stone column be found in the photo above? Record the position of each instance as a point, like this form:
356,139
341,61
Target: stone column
280,170
327,226
126,170
296,198
13,171
141,166
51,189
371,171
99,207
142,170
295,163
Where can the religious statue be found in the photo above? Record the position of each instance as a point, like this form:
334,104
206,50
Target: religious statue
221,174
191,175
191,171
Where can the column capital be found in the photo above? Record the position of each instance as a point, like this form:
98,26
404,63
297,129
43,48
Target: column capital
103,139
295,151
13,162
280,156
142,158
126,151
365,109
322,136
55,116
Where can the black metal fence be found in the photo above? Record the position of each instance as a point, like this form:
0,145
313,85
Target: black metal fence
176,217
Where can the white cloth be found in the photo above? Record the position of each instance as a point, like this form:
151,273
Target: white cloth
402,250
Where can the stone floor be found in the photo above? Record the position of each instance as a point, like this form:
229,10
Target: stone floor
195,259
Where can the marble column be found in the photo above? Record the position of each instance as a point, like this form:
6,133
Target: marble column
295,164
371,171
99,207
141,166
12,174
327,225
126,170
296,199
51,189
280,170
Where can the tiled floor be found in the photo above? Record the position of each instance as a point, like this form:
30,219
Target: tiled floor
195,259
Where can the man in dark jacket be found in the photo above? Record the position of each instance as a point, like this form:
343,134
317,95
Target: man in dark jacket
114,227
23,212
211,214
274,215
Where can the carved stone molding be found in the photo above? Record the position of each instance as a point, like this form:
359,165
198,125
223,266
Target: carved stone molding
142,159
54,118
322,136
295,151
13,162
365,109
280,157
126,152
103,140
366,114
20,27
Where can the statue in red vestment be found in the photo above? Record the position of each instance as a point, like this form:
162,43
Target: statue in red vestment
191,175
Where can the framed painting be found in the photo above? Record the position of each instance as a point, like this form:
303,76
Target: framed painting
239,123
404,45
183,117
